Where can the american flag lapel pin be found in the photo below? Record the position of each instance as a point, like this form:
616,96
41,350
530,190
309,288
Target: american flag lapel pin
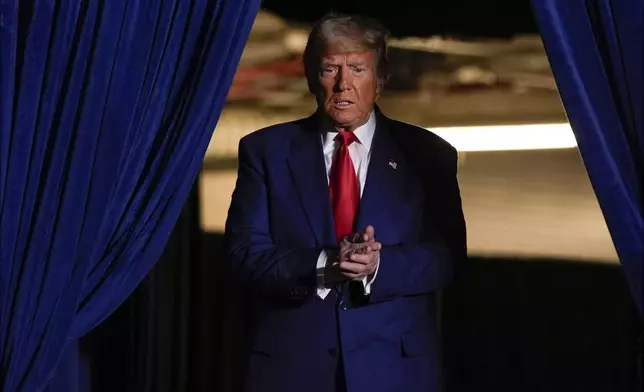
393,164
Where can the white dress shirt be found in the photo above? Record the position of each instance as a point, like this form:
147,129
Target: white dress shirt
360,153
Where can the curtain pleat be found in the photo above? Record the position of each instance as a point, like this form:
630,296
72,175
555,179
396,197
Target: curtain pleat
106,111
596,50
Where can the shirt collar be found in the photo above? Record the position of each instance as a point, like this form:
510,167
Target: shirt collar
364,133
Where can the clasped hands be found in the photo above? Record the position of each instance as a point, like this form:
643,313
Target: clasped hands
358,257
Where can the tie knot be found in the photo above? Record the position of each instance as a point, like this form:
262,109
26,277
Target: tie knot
346,138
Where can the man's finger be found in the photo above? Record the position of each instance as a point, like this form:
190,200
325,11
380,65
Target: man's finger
351,244
368,248
356,268
348,249
362,258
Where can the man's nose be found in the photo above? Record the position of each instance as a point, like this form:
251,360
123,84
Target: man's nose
343,80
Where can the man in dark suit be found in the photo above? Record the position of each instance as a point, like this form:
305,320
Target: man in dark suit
344,226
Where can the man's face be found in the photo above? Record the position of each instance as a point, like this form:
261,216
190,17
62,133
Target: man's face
347,87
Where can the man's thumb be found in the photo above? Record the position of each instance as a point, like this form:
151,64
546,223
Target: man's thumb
370,232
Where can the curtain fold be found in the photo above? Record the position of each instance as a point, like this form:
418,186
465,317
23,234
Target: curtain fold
106,111
596,48
151,340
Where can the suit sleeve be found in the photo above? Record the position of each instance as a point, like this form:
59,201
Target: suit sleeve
429,264
250,250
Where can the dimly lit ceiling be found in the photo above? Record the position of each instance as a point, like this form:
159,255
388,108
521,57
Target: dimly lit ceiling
454,18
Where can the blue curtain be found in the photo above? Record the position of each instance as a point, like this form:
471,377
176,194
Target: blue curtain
106,110
596,49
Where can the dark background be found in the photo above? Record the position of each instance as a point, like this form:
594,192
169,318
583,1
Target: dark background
512,325
457,18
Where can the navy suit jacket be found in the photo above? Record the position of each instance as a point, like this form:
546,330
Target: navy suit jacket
279,221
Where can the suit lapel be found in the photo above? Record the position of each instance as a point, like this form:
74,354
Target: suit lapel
306,164
385,179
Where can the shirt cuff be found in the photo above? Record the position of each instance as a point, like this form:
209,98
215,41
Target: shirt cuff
322,290
368,280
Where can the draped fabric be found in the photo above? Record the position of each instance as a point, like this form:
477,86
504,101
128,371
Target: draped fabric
154,344
595,48
106,111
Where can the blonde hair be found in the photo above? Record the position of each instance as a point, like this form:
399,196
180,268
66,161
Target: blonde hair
349,33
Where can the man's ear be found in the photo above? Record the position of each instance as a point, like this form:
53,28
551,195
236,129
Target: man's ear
379,88
312,87
381,80
312,82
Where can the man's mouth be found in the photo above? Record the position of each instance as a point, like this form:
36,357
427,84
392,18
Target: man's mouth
342,103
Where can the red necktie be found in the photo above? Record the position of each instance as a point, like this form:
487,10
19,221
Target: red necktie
343,185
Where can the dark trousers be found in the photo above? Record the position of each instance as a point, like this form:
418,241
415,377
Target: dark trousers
340,380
